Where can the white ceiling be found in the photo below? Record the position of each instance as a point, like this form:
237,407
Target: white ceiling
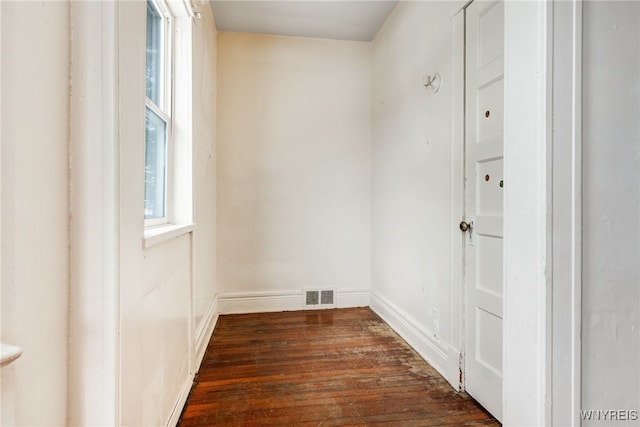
342,20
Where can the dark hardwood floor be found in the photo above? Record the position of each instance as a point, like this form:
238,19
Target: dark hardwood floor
320,368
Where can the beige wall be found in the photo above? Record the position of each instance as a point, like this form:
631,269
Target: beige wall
35,256
111,332
167,289
205,185
294,127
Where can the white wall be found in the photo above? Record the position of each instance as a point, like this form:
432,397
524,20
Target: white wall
294,128
35,257
205,184
112,333
413,191
611,207
166,290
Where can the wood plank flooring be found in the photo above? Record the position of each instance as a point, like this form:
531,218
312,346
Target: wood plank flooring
342,367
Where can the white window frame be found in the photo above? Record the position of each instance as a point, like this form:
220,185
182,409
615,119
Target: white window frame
166,110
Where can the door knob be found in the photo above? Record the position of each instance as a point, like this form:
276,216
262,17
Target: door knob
464,226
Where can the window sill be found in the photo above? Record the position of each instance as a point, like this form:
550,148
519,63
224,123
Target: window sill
156,235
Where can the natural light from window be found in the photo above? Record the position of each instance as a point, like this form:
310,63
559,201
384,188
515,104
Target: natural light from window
157,115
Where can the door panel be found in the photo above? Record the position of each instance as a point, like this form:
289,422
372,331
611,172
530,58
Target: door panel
484,202
490,356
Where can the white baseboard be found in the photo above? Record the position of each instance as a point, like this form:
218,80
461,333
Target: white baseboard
353,298
182,399
259,302
438,354
202,337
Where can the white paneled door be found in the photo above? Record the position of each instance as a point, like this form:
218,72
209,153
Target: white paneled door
484,63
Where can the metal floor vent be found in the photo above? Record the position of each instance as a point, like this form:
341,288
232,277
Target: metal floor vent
319,298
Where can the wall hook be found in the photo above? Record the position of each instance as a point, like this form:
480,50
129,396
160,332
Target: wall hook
432,82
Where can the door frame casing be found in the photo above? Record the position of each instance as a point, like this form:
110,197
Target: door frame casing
527,351
457,185
566,210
